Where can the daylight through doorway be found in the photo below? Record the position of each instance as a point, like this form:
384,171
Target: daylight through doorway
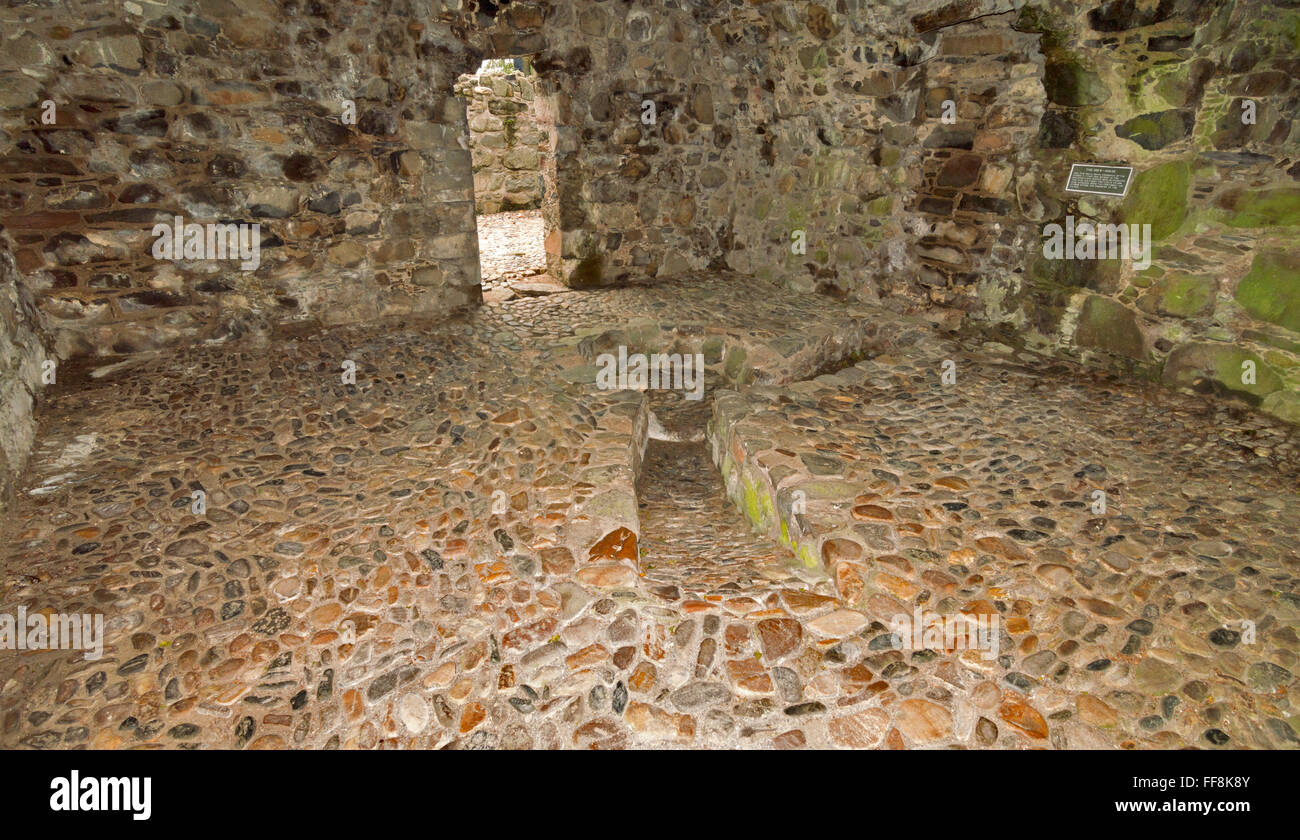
510,137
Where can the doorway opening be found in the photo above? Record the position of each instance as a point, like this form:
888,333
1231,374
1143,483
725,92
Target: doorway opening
512,145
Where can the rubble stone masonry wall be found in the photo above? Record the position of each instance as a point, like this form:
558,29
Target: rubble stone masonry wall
509,141
915,149
1201,98
23,357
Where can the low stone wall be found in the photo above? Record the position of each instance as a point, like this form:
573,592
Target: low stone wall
22,353
508,140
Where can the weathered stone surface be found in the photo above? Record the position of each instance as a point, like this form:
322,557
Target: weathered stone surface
1107,325
511,131
1069,83
1263,208
1207,367
1180,296
473,545
1271,289
1158,197
1155,131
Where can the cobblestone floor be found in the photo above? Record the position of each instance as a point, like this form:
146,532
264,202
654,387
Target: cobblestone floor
511,249
1167,618
474,547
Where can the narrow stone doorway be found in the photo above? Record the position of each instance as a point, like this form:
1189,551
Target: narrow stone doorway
511,138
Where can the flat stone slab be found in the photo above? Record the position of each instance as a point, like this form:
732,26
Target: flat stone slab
536,288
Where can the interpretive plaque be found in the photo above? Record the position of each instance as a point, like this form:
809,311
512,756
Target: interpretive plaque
1099,179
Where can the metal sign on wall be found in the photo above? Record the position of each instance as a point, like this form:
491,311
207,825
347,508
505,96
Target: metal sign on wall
1099,179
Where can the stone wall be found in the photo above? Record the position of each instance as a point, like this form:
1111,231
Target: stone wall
916,148
236,113
920,151
892,197
1162,87
242,113
22,356
509,142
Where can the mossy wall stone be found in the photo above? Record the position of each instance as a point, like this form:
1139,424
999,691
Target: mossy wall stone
1179,296
1271,289
24,348
1158,197
1070,83
1264,208
510,140
1199,98
1218,368
1157,130
1108,325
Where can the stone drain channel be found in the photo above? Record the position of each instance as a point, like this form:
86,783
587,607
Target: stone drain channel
692,536
691,533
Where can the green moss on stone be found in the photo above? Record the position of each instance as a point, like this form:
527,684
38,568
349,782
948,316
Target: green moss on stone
1270,291
1069,275
814,59
1143,279
728,467
588,273
1218,368
752,511
1285,405
1071,84
735,363
1280,26
1156,130
1108,325
1281,362
1214,109
1158,197
1266,208
1281,339
1180,295
1173,83
767,510
1053,25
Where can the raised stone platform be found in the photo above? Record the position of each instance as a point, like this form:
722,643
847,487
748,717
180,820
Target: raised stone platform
1119,625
